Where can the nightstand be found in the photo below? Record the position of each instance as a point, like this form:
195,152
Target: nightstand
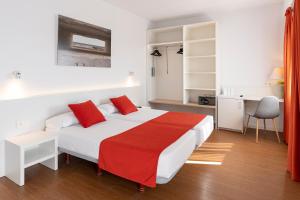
27,150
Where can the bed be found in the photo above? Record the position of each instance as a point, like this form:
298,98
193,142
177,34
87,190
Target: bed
191,130
84,143
202,130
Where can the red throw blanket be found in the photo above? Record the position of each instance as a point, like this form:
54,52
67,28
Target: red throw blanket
134,153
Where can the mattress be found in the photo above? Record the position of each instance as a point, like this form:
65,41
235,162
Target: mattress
86,141
202,130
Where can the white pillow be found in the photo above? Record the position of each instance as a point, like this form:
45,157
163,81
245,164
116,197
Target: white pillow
107,109
61,121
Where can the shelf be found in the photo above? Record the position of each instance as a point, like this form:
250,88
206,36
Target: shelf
206,89
166,101
201,24
201,40
200,106
206,56
37,155
171,28
178,103
207,73
166,44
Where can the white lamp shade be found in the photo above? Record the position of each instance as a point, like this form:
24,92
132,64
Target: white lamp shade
277,73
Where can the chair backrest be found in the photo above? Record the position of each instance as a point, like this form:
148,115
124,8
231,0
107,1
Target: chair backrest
268,108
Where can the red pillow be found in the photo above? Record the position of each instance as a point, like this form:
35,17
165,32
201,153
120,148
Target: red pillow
87,113
124,105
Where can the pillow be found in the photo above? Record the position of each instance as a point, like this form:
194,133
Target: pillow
107,109
61,121
124,105
87,113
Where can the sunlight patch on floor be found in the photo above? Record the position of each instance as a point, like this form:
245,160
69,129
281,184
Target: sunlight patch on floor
195,162
210,154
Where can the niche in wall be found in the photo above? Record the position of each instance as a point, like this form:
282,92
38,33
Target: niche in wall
82,45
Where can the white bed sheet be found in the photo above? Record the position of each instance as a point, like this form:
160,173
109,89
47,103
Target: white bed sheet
202,130
86,142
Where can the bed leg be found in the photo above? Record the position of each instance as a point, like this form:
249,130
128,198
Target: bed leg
141,188
67,158
99,172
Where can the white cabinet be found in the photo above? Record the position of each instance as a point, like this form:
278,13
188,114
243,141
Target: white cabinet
27,150
231,113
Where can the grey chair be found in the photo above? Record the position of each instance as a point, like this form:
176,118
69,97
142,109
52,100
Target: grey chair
268,108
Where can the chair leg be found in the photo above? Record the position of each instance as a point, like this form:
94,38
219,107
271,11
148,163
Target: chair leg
265,127
275,127
247,125
257,123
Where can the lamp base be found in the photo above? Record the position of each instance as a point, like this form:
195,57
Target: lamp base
278,90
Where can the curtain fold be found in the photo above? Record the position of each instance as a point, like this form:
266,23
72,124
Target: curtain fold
294,114
288,36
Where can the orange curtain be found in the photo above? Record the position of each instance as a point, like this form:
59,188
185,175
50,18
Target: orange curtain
288,35
294,114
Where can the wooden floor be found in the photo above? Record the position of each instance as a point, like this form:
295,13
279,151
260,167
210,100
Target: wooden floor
247,171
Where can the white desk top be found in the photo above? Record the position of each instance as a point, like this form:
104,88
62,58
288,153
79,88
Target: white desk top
246,98
30,139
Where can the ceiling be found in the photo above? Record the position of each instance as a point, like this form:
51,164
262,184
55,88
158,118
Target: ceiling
155,10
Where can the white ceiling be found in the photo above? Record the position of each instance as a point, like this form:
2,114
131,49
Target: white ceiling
162,9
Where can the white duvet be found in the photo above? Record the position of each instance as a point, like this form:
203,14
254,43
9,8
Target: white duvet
85,141
202,130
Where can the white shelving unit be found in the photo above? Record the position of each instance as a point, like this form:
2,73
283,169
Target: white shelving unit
27,150
199,64
188,76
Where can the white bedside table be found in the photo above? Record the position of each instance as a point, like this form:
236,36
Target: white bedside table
27,150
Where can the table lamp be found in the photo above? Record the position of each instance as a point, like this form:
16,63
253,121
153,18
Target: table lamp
276,81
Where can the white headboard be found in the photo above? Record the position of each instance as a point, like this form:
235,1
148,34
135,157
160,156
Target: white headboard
24,115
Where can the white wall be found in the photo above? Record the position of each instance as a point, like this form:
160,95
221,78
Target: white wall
287,3
251,43
29,41
28,38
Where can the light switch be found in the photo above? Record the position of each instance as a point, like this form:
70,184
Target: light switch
20,124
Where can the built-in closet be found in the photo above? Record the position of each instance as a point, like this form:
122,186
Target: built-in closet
182,65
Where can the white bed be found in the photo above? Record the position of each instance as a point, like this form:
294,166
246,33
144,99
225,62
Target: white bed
84,143
202,130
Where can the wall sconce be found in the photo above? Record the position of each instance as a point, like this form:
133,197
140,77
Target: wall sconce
14,88
17,75
131,73
130,79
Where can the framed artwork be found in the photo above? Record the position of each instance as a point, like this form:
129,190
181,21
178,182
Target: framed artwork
82,45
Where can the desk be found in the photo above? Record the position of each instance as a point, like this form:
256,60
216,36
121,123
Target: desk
255,98
231,111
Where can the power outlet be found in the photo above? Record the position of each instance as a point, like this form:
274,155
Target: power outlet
20,124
